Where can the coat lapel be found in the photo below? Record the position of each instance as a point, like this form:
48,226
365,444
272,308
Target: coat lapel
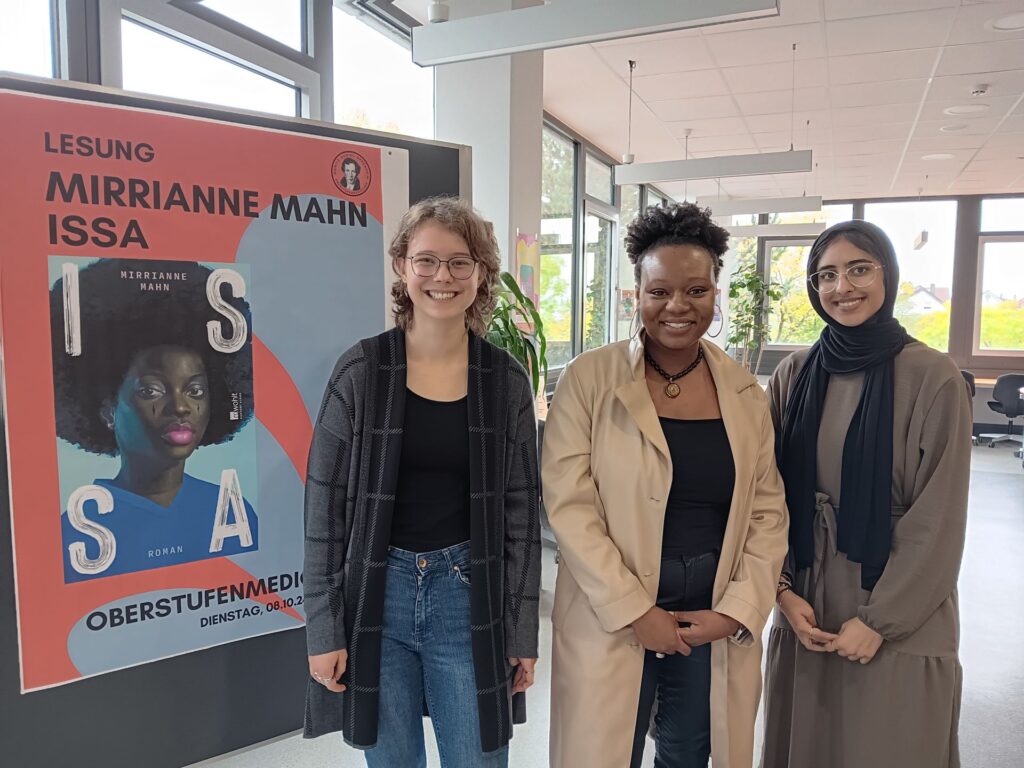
636,398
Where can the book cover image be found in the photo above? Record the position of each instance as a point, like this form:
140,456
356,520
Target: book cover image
154,406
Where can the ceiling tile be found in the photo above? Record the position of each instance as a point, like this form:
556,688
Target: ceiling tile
765,46
979,126
972,22
672,110
850,9
716,143
887,113
981,57
945,143
879,67
866,94
958,87
871,131
680,85
775,102
997,108
703,128
891,32
654,57
809,73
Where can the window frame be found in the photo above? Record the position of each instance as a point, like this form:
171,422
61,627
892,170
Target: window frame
977,352
98,41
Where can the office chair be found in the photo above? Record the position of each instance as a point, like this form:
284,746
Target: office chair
969,378
1006,400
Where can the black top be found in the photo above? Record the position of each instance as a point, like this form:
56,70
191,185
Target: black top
703,475
432,503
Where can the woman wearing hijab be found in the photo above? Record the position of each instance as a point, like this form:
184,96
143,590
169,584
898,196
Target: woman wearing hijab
874,446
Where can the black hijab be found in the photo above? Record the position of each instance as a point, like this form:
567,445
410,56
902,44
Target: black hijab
864,521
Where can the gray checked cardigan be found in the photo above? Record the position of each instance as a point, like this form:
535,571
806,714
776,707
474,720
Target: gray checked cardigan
350,492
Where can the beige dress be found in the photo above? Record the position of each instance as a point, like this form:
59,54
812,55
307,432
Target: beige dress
902,709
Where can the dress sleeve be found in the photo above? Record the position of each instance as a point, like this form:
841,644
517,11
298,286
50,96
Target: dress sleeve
571,501
928,541
777,392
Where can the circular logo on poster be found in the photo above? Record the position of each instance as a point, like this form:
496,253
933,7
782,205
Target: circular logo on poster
351,173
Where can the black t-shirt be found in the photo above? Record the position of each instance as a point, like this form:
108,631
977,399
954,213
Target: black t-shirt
703,475
432,504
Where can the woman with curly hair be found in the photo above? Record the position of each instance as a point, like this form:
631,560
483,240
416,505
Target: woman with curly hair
661,486
422,568
149,388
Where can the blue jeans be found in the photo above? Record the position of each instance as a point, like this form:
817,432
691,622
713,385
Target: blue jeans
680,684
426,655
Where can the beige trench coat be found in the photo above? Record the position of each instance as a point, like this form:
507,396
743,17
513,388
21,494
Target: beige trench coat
607,473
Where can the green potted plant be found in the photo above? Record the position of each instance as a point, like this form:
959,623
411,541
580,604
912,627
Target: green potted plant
749,298
517,328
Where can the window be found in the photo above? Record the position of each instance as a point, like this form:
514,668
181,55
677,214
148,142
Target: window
1002,214
926,268
792,320
999,326
625,296
25,42
599,179
279,19
376,85
558,205
597,264
153,62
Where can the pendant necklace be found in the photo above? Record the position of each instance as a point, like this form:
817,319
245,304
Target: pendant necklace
672,389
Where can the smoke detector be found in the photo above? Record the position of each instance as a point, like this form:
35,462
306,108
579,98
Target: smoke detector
979,90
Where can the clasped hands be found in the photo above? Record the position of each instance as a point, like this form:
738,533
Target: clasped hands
855,641
658,630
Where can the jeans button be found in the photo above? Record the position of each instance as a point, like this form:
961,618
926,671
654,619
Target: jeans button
423,562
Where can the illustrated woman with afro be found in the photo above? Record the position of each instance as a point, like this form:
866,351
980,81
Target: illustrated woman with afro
150,388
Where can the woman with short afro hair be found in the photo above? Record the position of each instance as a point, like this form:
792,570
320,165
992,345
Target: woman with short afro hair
149,388
660,484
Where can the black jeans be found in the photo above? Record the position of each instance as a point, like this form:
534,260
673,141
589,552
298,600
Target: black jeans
680,684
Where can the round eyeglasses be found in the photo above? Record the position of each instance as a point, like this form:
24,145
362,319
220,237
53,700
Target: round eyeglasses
459,267
858,275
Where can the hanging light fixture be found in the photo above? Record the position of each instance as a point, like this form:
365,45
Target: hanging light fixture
628,158
759,164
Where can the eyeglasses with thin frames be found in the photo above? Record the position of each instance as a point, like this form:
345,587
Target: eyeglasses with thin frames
459,267
857,275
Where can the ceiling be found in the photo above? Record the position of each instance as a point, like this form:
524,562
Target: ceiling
873,79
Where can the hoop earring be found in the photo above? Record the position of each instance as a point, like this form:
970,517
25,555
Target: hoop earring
635,321
721,322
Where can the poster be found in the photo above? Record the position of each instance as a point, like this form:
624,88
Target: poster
174,293
527,266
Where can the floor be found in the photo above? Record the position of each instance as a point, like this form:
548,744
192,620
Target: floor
992,645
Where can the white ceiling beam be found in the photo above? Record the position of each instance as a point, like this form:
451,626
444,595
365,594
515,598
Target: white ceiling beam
561,23
721,206
812,229
720,167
